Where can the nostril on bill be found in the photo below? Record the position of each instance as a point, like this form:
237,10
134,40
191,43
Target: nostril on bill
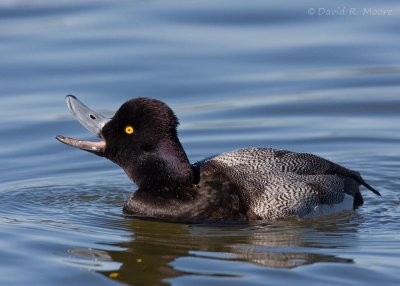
92,116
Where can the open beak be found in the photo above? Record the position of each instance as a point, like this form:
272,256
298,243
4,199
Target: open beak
91,120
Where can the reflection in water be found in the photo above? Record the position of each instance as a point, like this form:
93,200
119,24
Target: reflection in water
146,258
292,244
158,250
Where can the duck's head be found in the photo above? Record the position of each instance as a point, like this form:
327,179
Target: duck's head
141,138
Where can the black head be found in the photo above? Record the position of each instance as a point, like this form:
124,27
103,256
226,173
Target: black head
142,139
138,126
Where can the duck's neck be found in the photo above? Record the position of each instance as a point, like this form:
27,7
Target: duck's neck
166,167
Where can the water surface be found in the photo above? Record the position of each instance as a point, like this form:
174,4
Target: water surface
237,74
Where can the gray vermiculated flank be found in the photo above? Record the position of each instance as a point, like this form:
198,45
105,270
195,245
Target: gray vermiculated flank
279,183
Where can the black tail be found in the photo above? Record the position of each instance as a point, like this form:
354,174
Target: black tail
356,176
365,184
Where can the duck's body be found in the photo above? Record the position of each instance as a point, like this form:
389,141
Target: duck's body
255,184
243,185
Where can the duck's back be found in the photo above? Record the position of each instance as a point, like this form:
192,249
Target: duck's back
277,183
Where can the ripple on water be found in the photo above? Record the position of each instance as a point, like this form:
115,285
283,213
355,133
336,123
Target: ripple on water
76,203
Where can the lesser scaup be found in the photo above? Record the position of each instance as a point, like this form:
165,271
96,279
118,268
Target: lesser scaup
243,185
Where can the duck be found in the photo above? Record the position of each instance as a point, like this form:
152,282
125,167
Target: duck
244,185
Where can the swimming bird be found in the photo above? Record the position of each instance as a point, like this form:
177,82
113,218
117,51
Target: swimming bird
239,186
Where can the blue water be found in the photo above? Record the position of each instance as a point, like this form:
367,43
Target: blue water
237,74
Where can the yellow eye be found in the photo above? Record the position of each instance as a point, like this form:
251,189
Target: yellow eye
129,130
